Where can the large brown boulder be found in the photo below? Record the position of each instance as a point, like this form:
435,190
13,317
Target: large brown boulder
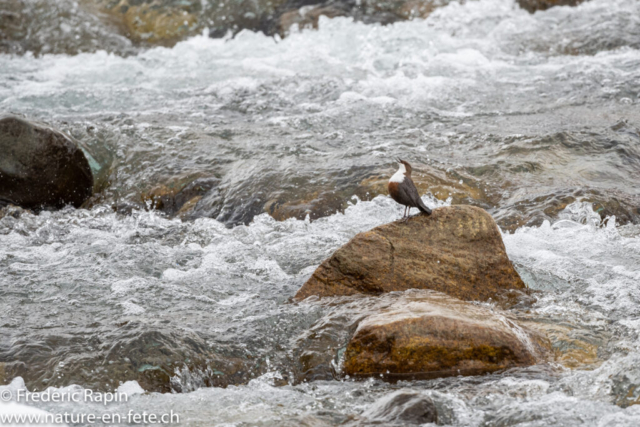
430,335
40,167
457,250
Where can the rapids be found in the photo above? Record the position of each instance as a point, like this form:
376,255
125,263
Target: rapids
536,115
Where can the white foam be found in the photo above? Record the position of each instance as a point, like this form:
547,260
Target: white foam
130,388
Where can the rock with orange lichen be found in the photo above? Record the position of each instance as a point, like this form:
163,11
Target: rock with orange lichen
430,335
457,250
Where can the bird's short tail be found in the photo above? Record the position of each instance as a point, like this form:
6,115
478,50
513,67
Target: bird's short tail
423,208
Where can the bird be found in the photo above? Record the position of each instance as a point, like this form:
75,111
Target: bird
404,191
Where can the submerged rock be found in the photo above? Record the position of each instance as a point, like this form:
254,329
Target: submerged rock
457,250
433,335
534,5
40,167
404,406
160,360
574,347
180,196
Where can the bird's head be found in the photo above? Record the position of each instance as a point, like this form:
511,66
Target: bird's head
406,165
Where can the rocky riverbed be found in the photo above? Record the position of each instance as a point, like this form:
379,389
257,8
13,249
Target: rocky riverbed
228,164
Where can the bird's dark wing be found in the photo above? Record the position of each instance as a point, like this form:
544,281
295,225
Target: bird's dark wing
416,201
412,192
402,196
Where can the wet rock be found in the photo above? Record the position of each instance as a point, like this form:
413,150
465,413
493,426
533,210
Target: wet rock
228,207
159,360
534,5
527,208
180,196
261,15
100,147
457,250
67,26
166,22
11,211
573,347
406,407
58,27
316,205
388,11
624,381
155,21
308,17
41,168
315,351
186,200
368,11
434,335
463,189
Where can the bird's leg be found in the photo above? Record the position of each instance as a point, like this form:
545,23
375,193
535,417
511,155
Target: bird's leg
406,217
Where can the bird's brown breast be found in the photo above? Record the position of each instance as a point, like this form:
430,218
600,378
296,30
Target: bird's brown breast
394,191
401,192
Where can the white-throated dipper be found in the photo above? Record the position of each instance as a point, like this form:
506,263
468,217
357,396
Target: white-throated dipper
404,191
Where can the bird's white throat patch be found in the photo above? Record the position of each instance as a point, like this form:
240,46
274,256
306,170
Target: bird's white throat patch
399,176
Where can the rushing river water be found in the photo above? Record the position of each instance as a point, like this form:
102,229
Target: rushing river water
533,117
